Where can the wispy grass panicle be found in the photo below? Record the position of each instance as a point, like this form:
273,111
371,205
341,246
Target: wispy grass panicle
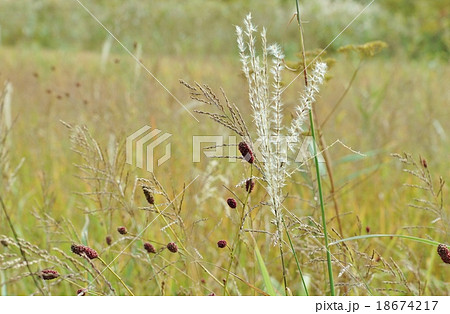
256,73
265,91
262,68
276,101
301,122
266,102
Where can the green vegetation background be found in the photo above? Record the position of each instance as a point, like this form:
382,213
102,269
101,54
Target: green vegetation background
51,52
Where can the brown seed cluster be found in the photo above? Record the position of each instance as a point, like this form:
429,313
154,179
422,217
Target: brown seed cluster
81,249
172,247
49,274
444,253
246,152
149,247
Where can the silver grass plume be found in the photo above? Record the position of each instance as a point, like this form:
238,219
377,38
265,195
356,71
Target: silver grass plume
315,79
265,99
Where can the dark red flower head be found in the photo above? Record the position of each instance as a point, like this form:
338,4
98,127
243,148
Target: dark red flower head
49,274
149,248
246,152
231,202
222,244
249,185
423,162
444,253
148,195
81,249
122,230
368,229
172,247
81,292
108,240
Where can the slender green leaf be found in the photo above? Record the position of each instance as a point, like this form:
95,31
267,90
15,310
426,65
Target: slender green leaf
266,277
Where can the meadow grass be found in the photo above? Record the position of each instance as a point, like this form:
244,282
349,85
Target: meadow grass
394,105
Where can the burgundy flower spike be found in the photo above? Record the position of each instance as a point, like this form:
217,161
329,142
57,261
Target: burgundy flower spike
444,253
231,202
81,249
81,292
49,274
149,247
122,230
172,247
222,244
148,195
249,185
246,152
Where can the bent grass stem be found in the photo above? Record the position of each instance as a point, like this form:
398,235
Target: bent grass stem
237,237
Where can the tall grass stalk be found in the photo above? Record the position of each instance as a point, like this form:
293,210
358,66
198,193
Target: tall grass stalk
7,106
116,275
267,112
22,251
305,287
316,160
322,206
182,246
237,237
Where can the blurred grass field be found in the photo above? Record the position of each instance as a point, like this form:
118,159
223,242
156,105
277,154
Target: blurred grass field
51,52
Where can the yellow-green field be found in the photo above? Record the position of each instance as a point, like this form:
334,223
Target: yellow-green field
398,102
